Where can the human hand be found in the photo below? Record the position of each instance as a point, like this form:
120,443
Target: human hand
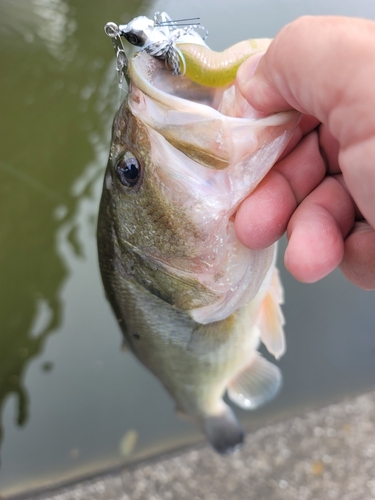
322,191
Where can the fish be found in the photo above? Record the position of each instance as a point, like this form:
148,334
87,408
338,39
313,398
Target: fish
192,302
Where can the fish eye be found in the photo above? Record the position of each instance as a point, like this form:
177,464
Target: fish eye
137,38
133,39
128,170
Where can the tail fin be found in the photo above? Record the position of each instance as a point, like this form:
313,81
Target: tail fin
224,432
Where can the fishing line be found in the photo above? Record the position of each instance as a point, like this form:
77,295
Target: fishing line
174,21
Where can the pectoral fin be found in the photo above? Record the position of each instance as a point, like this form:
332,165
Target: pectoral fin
272,320
259,382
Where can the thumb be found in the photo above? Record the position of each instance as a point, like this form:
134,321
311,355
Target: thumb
313,65
255,83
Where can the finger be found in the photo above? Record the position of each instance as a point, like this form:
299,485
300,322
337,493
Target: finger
357,163
329,148
357,214
306,125
358,263
304,168
263,217
317,230
321,66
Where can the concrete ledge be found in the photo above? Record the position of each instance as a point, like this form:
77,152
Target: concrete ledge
325,454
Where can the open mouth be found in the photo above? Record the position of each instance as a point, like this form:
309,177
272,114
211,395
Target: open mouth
211,150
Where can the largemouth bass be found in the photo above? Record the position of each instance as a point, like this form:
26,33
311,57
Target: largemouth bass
193,303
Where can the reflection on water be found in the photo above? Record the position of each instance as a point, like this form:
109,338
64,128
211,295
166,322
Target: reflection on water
70,401
52,132
48,21
16,350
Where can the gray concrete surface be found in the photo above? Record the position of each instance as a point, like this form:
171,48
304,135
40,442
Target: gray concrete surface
326,454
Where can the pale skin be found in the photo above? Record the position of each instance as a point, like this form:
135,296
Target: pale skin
322,191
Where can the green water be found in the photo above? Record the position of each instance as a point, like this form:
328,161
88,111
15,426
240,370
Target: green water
68,394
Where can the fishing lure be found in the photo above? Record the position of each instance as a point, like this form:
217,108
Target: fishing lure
183,49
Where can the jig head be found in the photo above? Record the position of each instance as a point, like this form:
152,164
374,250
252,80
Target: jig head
158,37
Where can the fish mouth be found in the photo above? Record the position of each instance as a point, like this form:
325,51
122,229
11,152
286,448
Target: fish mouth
212,149
214,126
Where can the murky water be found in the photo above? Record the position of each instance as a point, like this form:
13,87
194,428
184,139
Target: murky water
71,402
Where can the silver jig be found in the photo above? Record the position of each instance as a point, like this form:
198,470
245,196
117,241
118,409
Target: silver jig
158,37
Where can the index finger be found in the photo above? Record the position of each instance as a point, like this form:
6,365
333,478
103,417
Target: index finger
262,218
